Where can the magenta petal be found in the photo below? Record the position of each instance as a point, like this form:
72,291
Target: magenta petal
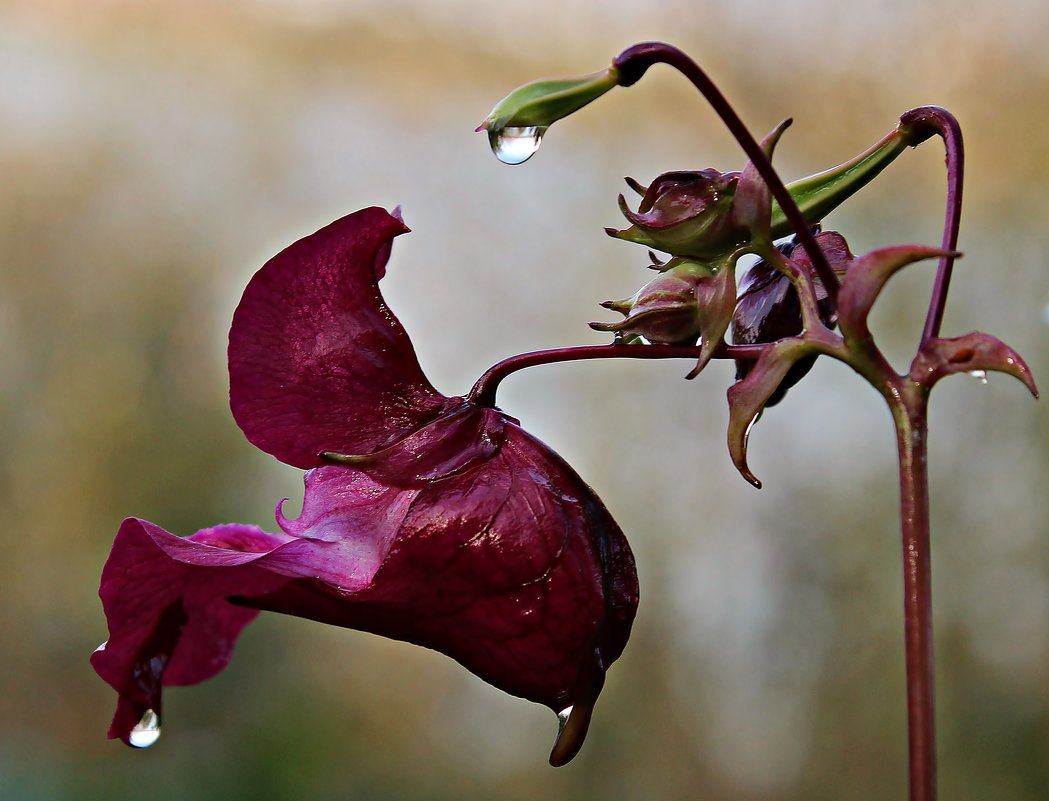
317,360
511,566
454,442
169,621
514,569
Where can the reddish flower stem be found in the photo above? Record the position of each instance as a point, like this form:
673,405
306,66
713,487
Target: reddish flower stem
918,125
633,62
911,435
483,392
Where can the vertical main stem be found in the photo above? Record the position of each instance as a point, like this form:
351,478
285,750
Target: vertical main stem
911,432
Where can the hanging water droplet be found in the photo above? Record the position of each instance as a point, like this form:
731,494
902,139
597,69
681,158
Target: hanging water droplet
979,375
515,145
750,427
562,719
146,731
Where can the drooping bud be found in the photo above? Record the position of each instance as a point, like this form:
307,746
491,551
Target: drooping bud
666,310
687,214
517,123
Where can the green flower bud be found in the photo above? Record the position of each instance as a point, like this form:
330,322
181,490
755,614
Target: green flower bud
517,123
818,195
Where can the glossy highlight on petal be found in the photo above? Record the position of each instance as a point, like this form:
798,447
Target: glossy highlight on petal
453,442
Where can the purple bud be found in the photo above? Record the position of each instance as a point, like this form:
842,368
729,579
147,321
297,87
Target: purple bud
685,214
768,308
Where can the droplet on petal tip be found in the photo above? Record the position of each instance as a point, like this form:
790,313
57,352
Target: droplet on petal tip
146,731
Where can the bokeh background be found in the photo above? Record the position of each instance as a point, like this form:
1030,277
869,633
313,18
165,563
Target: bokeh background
154,153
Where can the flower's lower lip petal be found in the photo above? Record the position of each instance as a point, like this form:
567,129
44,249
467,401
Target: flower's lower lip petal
512,567
167,626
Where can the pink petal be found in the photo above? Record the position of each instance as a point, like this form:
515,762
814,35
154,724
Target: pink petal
160,592
752,206
317,360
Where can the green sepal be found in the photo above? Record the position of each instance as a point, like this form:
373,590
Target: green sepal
818,195
541,103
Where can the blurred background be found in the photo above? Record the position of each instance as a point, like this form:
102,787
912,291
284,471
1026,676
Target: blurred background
154,153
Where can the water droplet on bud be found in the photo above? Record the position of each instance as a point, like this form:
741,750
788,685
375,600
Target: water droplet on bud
146,731
979,375
515,145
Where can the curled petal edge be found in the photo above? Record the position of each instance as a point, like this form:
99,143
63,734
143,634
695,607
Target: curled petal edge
747,398
752,206
716,298
867,277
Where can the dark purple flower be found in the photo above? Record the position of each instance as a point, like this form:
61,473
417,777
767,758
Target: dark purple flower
768,308
428,519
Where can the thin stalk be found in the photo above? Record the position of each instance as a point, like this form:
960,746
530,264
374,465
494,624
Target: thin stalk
632,64
911,435
483,392
919,124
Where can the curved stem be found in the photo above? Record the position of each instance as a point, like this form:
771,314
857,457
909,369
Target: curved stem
918,125
633,62
483,392
911,435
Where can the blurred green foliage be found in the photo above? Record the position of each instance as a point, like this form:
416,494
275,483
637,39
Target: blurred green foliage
154,154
